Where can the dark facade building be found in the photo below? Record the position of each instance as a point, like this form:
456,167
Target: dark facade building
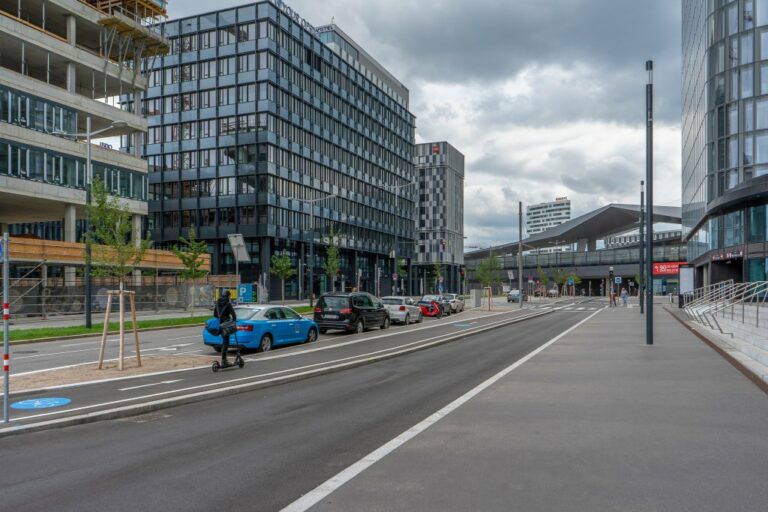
440,228
255,118
725,139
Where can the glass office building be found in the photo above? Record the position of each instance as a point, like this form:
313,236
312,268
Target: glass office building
255,118
725,138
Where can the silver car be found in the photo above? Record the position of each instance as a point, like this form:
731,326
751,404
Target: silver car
402,309
457,303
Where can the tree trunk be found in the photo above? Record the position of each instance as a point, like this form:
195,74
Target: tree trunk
282,290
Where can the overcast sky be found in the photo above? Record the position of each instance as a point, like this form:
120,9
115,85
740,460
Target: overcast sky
545,98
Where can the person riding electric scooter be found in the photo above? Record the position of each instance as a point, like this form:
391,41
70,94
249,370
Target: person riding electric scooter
225,313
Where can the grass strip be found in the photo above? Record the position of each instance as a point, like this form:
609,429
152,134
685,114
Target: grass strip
53,332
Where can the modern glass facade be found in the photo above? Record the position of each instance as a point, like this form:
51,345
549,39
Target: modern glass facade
725,137
254,118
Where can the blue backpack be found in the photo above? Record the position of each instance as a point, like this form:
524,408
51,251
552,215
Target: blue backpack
212,325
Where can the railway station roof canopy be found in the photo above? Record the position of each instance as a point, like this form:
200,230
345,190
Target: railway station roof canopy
588,228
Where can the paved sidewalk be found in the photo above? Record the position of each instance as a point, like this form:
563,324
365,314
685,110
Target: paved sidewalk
596,422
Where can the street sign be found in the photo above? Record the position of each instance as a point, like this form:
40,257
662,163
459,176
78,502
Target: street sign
617,279
395,276
510,274
245,293
40,403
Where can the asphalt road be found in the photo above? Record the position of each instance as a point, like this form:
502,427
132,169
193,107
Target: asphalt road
259,450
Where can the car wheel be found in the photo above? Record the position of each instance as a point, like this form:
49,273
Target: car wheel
323,330
312,335
407,319
359,327
266,343
385,324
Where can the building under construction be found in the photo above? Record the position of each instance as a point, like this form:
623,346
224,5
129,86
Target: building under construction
64,64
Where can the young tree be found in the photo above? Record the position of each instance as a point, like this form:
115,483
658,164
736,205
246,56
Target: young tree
576,280
114,251
332,260
282,267
190,253
489,271
543,278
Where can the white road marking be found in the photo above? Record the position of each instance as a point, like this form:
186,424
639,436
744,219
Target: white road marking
150,385
241,380
322,491
79,344
183,338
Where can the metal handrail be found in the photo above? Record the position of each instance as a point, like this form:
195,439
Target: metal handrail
704,296
711,303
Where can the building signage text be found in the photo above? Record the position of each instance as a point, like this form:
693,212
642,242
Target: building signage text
667,268
288,11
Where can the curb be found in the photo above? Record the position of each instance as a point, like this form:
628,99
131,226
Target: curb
760,383
133,410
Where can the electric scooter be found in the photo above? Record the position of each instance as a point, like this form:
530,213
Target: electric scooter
239,361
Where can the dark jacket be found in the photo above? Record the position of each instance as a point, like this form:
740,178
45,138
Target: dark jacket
224,310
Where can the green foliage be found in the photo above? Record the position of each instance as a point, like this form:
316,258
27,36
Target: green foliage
282,267
332,259
190,255
114,252
437,270
576,279
489,271
542,275
401,267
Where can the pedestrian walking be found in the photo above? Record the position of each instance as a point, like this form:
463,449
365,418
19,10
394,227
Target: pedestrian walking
613,297
624,296
226,315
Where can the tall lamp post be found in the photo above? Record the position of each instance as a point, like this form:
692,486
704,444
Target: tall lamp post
311,263
88,189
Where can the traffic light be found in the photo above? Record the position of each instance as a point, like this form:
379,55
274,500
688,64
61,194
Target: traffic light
461,272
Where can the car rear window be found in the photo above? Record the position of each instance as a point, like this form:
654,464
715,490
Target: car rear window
395,302
333,302
246,313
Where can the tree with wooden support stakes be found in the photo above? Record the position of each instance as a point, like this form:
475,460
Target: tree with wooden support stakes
191,253
332,259
283,268
116,253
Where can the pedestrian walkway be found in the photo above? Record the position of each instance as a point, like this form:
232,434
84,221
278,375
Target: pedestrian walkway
596,421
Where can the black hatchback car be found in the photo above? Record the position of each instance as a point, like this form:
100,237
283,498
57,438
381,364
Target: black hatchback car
351,312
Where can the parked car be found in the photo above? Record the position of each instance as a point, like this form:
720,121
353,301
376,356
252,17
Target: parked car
457,303
263,327
402,309
445,305
514,296
430,307
351,312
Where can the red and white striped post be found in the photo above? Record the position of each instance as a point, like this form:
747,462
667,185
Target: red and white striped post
6,327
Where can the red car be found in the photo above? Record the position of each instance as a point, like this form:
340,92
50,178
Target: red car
430,308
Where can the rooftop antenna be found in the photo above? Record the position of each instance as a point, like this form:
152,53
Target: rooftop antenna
332,19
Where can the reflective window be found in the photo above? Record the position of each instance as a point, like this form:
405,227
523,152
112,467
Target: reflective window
761,6
749,118
761,149
747,49
748,154
747,82
762,113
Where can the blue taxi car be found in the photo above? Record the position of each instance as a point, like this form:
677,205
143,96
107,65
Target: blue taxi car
262,327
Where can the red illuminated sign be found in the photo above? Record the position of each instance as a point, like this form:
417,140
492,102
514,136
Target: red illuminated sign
669,268
435,149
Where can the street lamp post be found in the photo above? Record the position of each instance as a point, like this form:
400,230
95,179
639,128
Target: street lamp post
88,186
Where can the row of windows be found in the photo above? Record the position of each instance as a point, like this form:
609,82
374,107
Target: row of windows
31,112
222,37
213,187
36,164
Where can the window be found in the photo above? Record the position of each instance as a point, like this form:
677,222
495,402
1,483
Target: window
208,98
188,72
246,62
733,119
189,101
762,12
733,19
189,160
227,36
246,93
246,32
247,215
208,69
227,125
748,155
227,96
227,156
154,135
747,49
208,39
761,148
226,66
153,107
246,123
747,82
208,128
749,122
762,114
189,130
207,157
171,133
171,75
189,43
733,152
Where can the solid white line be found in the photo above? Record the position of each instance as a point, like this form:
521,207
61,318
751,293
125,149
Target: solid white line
323,490
150,385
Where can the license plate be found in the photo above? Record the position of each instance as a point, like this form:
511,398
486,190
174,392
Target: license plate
332,317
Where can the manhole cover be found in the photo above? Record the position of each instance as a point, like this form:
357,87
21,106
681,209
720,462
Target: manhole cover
25,351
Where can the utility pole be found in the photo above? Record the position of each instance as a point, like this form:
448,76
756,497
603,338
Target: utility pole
520,252
6,328
640,288
649,201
